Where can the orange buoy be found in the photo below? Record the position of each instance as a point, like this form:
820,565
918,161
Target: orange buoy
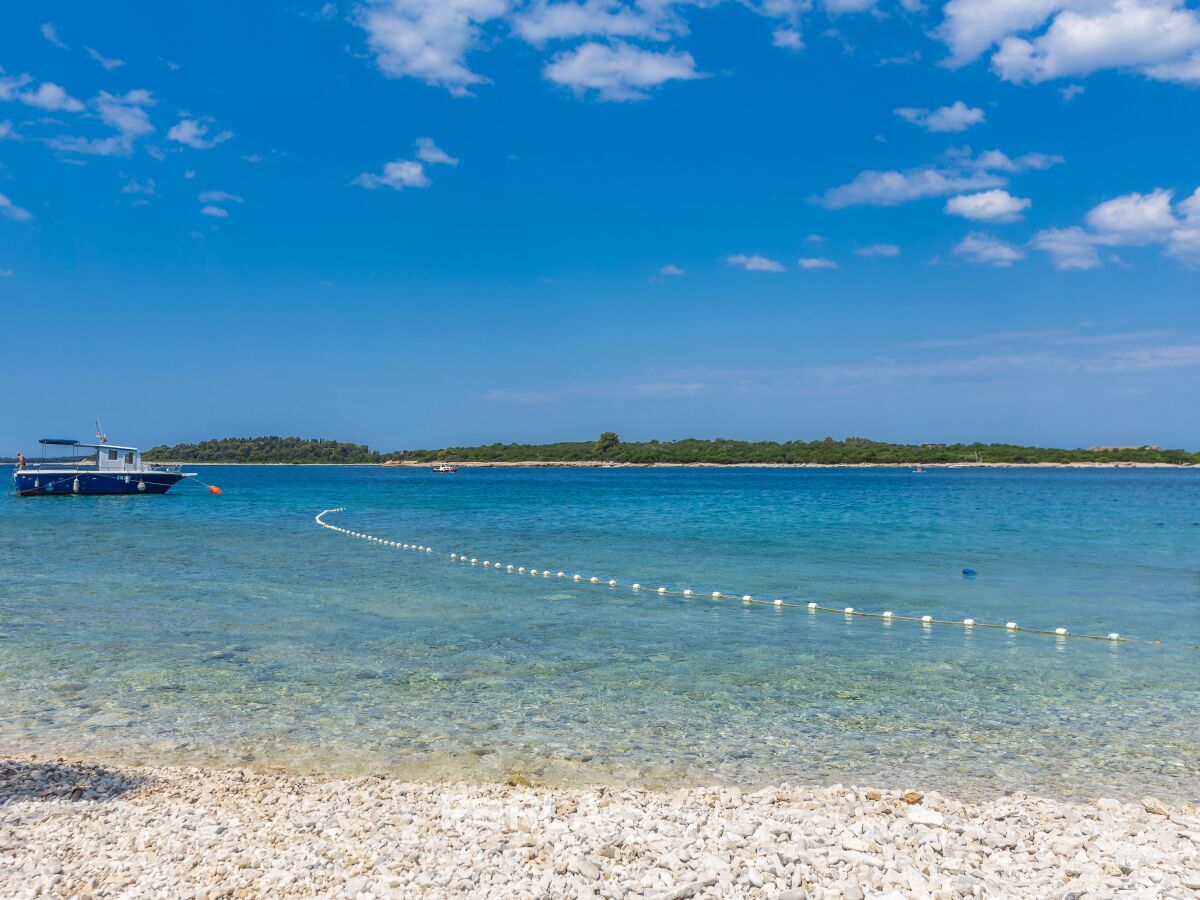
213,489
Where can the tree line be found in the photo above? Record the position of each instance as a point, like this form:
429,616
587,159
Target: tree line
610,448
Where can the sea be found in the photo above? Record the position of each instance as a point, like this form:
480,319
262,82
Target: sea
232,630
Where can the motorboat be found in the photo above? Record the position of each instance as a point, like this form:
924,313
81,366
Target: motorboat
111,470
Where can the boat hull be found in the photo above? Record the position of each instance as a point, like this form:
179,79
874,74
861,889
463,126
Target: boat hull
48,484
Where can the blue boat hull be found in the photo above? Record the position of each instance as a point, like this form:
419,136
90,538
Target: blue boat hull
47,484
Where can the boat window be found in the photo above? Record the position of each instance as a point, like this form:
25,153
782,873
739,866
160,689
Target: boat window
112,455
129,459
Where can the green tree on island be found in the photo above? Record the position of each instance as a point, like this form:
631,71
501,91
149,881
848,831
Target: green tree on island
608,441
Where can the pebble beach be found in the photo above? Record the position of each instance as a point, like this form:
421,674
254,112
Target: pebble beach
74,829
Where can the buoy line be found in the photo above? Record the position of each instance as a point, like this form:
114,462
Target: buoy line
849,612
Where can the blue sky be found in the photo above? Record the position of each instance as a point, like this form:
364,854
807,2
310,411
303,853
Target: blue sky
422,222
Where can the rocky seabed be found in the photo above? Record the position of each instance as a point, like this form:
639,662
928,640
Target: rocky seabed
71,829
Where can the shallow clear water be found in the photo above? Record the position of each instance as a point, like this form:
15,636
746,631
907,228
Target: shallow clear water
232,630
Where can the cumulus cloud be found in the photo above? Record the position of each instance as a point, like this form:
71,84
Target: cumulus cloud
428,39
407,173
194,134
983,248
1131,220
10,210
108,64
619,71
988,206
670,270
50,33
50,97
754,263
215,212
788,38
430,152
544,21
879,250
126,113
398,175
816,262
1039,40
955,117
873,188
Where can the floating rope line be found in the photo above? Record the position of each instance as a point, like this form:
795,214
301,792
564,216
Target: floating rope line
848,612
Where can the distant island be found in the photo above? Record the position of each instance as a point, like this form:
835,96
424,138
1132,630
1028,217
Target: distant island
610,449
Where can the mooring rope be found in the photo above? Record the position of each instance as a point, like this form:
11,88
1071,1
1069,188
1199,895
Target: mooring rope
849,612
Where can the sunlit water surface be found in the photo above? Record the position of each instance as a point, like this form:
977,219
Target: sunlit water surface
231,630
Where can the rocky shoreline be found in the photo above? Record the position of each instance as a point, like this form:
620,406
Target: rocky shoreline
83,830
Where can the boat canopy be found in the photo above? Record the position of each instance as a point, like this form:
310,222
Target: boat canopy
63,442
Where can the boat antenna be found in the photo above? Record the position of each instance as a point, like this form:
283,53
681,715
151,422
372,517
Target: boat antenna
100,435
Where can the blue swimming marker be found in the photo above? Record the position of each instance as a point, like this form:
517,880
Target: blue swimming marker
968,573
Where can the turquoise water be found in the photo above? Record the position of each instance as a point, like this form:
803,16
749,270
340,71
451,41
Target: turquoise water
232,630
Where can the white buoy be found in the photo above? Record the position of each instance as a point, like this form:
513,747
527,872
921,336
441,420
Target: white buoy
849,610
474,560
428,549
888,614
968,622
746,598
521,569
716,595
577,578
687,592
508,568
1060,631
561,574
662,590
612,582
779,603
812,606
1114,636
636,586
594,580
1011,626
546,574
454,556
926,619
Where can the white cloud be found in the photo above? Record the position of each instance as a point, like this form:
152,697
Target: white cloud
6,273
1071,91
836,7
252,158
398,175
816,262
872,188
544,21
983,248
431,153
9,85
988,206
670,270
51,97
189,174
126,113
956,117
1001,162
218,197
619,71
879,250
788,38
108,64
1131,220
754,263
1136,219
10,210
5,129
194,134
428,39
140,187
215,211
50,33
1158,38
1071,248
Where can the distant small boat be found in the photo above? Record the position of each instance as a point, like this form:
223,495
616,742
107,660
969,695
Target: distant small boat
115,470
919,470
444,468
